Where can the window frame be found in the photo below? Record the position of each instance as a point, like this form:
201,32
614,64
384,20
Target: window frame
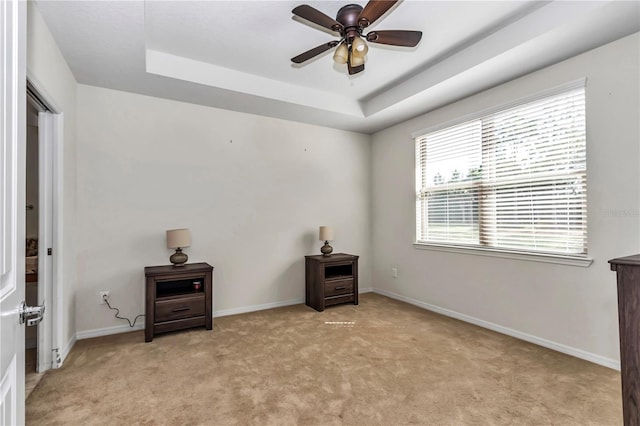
582,260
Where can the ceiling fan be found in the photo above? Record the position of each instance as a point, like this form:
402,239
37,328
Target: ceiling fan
350,22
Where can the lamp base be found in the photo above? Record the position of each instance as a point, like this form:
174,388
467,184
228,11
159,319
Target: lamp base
178,258
326,249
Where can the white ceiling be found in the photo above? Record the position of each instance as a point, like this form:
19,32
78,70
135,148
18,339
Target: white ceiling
236,54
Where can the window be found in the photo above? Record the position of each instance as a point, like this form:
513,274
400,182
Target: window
512,180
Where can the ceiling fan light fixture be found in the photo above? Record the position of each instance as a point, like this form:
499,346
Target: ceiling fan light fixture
341,54
359,47
350,22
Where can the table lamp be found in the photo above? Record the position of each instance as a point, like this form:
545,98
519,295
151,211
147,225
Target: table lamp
326,235
178,239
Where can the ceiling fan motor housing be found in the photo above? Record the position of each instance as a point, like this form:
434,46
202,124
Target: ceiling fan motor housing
348,17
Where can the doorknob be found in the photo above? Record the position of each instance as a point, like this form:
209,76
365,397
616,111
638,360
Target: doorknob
24,312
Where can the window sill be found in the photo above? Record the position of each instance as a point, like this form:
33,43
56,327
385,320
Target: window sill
509,254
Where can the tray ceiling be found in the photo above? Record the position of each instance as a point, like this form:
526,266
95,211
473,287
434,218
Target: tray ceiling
236,54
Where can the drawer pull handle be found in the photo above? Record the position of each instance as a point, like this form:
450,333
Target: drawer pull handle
184,308
340,288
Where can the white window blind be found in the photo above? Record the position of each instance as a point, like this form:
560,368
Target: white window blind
515,179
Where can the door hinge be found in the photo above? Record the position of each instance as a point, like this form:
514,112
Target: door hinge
56,360
49,251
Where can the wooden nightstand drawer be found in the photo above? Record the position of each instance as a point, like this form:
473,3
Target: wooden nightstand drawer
167,310
338,287
345,298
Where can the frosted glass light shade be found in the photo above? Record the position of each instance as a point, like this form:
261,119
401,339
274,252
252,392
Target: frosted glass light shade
359,47
178,238
356,60
341,54
326,233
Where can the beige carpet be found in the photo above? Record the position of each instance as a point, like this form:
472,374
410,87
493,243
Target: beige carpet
380,363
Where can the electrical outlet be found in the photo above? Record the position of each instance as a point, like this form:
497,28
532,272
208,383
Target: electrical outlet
394,272
103,294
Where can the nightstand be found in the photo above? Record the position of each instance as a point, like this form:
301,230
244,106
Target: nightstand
175,300
331,280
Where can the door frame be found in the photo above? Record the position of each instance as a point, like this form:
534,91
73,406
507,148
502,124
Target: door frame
50,131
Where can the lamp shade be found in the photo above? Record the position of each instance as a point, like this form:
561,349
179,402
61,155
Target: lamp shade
178,238
359,47
356,60
326,233
341,54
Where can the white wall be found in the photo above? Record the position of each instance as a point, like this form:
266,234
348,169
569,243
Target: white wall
253,190
48,69
572,307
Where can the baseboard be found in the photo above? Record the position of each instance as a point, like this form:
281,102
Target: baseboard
97,332
254,308
262,307
65,351
559,347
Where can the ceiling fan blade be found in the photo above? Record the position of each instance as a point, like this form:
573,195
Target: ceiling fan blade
314,15
395,37
313,52
374,10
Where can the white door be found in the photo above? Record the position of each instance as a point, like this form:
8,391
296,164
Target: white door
12,205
